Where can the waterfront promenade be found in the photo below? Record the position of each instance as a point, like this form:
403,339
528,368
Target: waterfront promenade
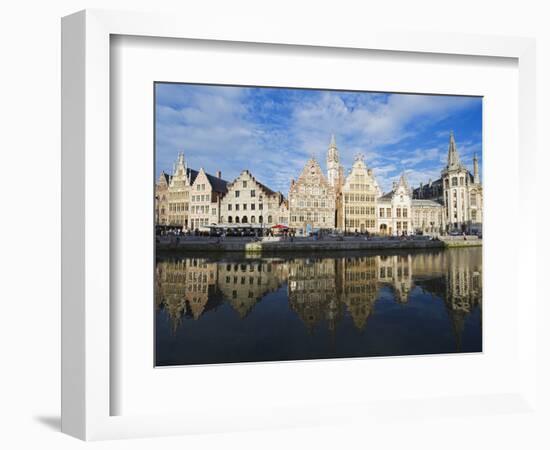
268,245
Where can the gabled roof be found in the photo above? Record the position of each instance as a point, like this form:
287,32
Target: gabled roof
218,184
312,164
191,175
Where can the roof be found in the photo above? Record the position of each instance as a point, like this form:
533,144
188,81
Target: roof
422,202
191,175
386,197
265,188
218,184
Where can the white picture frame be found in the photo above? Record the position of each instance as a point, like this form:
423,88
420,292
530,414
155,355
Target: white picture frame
86,217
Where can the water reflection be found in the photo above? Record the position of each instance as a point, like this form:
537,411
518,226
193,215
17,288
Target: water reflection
234,308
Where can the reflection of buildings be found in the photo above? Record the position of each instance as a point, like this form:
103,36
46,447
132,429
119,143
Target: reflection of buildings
244,284
463,288
396,271
322,290
456,277
312,291
359,287
184,287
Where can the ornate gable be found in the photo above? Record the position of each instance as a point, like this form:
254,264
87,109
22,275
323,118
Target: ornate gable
312,175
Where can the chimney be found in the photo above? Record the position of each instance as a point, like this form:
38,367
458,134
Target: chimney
218,174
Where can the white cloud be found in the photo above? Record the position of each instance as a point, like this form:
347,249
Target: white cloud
220,128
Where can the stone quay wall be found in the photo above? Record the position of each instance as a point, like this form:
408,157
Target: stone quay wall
461,241
307,245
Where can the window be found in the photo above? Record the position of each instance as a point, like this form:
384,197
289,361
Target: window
462,181
237,207
253,219
253,193
229,207
398,213
244,206
404,212
253,206
244,184
454,181
237,194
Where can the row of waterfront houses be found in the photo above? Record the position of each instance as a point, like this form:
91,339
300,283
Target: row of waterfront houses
192,199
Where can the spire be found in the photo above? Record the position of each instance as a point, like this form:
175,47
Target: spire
452,158
403,182
332,141
476,169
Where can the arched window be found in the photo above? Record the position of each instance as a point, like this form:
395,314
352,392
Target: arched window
230,219
244,220
236,219
261,219
253,219
269,219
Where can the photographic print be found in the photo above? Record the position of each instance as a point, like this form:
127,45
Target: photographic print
299,224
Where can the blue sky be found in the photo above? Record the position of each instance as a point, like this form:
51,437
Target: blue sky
273,131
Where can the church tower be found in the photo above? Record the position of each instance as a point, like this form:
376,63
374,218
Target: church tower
456,183
453,160
476,170
333,163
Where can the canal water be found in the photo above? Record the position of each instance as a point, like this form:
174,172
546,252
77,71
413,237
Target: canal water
238,308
